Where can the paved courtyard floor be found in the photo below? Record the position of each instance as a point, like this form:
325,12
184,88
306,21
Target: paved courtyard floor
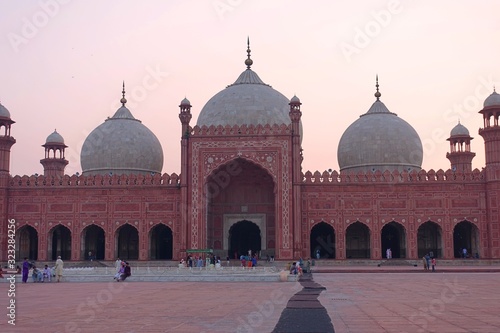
356,302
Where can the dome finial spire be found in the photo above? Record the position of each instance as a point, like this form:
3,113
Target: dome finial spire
248,61
123,100
377,94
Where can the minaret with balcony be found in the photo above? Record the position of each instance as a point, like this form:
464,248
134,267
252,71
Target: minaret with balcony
460,155
54,161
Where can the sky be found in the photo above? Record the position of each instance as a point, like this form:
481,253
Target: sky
63,62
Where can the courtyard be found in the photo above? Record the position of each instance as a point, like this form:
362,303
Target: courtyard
453,302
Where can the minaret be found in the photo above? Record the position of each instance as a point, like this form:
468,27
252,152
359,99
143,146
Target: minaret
295,115
491,130
6,141
185,117
491,136
54,161
460,155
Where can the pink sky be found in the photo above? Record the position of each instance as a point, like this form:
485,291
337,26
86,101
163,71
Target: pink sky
63,63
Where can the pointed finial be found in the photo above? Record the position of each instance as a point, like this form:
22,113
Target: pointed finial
123,100
248,61
377,94
494,89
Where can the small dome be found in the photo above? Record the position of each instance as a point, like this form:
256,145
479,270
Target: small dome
121,145
493,99
4,113
185,102
295,99
380,140
54,138
459,130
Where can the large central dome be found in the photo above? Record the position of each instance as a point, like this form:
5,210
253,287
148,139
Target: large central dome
248,101
380,140
121,145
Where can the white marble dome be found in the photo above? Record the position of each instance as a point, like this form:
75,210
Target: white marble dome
492,100
54,138
121,145
4,113
379,140
459,130
248,101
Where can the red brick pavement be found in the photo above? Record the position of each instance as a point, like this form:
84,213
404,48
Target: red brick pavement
137,307
408,302
358,303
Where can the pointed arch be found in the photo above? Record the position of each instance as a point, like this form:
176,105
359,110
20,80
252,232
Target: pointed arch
322,239
393,237
244,236
430,240
466,236
93,239
27,242
59,243
127,242
161,242
357,241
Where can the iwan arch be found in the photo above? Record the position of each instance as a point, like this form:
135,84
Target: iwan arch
241,187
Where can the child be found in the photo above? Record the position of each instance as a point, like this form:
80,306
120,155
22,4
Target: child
47,273
433,263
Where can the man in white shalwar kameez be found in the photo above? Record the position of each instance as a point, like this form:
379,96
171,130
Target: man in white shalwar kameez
59,269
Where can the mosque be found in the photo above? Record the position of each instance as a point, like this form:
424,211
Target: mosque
241,188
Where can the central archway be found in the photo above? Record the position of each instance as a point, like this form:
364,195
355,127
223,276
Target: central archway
244,236
236,191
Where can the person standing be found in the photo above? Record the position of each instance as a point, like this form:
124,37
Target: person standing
59,269
118,264
26,270
433,263
464,253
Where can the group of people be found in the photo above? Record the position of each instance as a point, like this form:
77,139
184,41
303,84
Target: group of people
429,261
297,268
248,261
123,270
42,275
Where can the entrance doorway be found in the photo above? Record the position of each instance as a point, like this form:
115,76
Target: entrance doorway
466,235
161,243
27,244
429,240
244,236
357,239
393,237
323,240
128,243
60,244
94,242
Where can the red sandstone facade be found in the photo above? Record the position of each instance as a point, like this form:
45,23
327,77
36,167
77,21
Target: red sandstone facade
251,178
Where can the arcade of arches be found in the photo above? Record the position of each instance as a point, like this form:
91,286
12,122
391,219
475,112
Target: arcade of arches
393,235
244,235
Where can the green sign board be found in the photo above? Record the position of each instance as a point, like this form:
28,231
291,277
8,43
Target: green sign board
199,251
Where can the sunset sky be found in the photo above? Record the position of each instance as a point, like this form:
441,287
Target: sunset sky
63,63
